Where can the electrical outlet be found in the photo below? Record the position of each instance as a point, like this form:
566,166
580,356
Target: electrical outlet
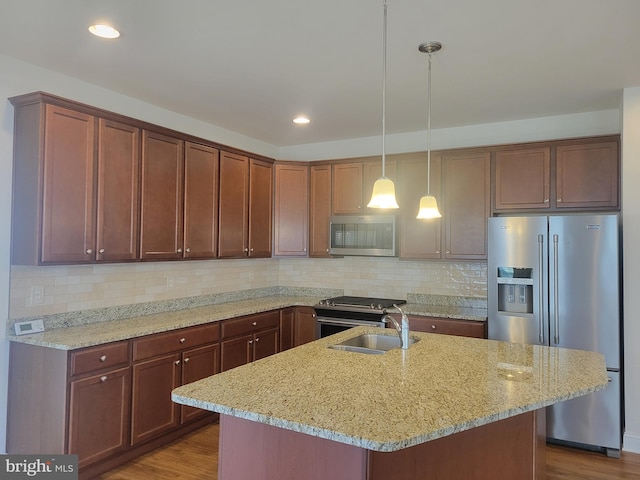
171,282
37,295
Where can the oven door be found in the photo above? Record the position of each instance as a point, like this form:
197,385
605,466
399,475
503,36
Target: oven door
328,325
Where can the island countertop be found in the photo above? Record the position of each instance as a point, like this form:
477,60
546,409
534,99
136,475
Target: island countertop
441,385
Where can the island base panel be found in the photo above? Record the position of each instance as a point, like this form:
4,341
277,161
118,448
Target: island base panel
511,449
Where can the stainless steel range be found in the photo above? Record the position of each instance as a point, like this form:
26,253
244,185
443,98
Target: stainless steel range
341,313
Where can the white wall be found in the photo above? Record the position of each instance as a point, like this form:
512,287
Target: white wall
631,252
18,78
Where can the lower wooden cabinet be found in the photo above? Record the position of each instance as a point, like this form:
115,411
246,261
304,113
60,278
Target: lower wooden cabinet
249,338
99,413
448,326
297,326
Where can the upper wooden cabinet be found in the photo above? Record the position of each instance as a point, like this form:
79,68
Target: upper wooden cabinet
245,211
347,188
201,165
419,239
466,184
523,178
161,228
291,210
573,174
587,175
319,209
75,193
179,198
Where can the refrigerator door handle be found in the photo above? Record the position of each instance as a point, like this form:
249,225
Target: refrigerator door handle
556,315
540,289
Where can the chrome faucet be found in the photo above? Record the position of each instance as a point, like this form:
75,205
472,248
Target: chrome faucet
403,330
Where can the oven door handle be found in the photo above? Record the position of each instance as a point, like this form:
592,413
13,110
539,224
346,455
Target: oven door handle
347,323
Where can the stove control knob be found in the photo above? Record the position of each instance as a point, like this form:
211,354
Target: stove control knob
379,306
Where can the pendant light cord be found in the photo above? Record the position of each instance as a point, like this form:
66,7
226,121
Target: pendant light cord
384,85
429,127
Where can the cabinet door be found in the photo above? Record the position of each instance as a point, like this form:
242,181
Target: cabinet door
287,322
291,210
162,194
233,210
319,210
99,415
522,178
197,364
236,352
200,201
153,412
371,171
466,191
265,343
260,208
587,175
347,188
118,191
305,325
68,204
418,238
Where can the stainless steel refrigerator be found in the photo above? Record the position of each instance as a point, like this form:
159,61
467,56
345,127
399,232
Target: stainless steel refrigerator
555,280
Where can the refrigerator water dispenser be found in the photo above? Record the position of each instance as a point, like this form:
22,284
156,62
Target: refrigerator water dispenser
515,290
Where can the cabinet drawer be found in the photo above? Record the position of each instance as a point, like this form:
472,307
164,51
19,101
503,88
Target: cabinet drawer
97,358
175,341
250,324
448,326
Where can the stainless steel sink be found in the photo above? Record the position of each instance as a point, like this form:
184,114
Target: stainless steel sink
371,343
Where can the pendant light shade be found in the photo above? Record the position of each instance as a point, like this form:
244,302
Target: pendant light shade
428,203
384,192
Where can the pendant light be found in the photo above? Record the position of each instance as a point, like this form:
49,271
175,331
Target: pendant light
384,192
428,203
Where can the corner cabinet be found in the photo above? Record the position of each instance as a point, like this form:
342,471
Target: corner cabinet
245,210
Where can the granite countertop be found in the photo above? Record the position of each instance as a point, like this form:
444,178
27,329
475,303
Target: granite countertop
439,386
86,330
98,333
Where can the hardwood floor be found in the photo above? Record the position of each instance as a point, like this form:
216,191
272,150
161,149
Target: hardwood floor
195,457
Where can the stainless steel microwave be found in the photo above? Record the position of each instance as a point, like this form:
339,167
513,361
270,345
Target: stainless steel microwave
368,235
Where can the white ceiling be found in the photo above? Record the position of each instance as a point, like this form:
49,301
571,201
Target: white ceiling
250,65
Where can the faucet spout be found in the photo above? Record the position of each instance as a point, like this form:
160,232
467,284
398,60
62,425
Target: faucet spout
402,328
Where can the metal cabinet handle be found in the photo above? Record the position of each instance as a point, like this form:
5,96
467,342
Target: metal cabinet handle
103,358
433,327
101,251
89,251
257,340
447,251
540,289
559,200
546,200
245,250
251,249
556,315
182,340
250,342
186,360
187,250
177,362
103,378
179,250
254,323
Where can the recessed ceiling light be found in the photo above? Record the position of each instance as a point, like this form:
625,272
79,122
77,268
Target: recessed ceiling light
104,31
301,120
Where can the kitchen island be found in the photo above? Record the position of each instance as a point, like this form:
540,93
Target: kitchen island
448,407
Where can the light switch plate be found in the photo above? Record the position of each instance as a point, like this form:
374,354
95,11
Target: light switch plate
33,326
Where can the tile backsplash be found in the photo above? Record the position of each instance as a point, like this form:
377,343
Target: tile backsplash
82,287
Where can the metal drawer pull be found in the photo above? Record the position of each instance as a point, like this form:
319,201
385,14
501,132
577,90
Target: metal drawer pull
103,378
182,340
103,358
101,251
177,362
254,323
89,251
433,327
